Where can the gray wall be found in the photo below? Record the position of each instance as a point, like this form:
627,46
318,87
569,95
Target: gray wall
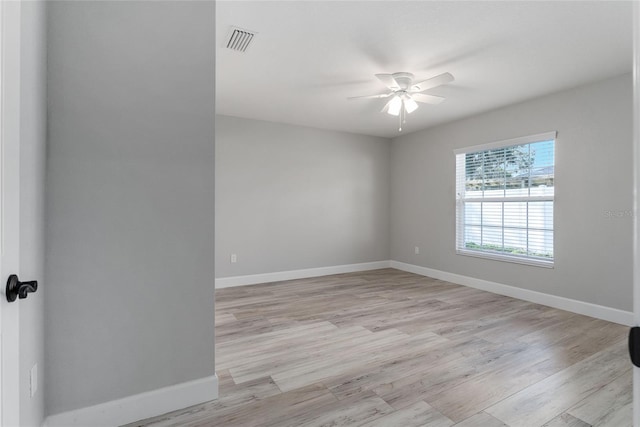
593,181
130,199
32,166
291,197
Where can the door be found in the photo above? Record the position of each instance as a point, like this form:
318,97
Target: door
9,206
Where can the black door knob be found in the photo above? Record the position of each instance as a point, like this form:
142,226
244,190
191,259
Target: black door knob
16,288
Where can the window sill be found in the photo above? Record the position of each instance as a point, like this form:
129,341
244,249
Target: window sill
506,258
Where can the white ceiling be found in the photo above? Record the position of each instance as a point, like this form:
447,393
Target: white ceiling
309,56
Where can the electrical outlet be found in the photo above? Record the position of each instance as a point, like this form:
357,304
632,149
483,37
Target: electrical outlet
234,258
417,250
34,379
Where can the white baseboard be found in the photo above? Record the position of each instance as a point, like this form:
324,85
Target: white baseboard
580,307
227,282
139,406
588,309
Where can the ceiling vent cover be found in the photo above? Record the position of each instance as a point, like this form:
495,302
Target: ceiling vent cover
239,39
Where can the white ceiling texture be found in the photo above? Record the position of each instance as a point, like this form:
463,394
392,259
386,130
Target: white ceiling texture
309,56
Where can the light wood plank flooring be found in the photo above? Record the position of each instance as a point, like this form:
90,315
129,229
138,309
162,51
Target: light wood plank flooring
389,348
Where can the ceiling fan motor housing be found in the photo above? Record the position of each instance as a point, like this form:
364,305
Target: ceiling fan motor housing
404,80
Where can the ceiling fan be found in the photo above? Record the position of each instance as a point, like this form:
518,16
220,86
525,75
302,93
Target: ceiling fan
405,94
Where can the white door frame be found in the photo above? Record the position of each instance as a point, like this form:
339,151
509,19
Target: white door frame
10,28
636,199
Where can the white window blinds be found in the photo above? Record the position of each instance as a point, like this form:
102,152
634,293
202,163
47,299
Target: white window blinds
504,200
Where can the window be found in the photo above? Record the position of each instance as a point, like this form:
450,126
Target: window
504,200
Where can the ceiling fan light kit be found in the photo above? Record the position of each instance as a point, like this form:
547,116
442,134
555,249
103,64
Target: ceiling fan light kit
394,106
405,95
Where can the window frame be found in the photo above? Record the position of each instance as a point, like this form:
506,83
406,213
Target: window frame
460,200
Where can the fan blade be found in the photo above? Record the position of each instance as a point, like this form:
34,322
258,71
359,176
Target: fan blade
388,81
427,99
382,95
433,82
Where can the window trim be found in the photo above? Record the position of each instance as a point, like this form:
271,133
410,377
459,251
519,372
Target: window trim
459,202
539,137
506,258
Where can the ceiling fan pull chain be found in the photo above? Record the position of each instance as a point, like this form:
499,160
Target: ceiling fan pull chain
404,112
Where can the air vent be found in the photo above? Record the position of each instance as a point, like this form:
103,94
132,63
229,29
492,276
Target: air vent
239,39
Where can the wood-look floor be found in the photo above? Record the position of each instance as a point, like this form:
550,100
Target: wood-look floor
389,348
